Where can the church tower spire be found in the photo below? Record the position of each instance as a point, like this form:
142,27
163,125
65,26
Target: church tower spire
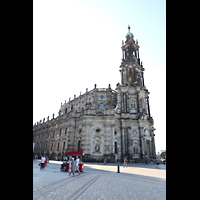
133,110
131,70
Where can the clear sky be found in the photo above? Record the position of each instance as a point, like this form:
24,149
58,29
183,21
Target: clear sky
78,43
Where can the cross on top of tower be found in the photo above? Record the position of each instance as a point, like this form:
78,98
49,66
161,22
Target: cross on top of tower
129,32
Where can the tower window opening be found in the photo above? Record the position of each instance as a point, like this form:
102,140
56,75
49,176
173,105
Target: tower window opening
130,75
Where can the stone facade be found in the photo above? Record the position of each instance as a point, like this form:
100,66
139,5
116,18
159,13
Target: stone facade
104,122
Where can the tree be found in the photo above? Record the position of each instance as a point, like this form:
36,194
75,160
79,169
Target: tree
163,154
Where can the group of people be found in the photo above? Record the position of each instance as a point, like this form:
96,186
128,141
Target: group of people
73,165
157,162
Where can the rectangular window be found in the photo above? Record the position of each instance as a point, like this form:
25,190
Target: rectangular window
64,146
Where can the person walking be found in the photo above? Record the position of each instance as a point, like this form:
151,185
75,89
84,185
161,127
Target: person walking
157,163
77,165
45,162
125,162
42,162
72,167
70,164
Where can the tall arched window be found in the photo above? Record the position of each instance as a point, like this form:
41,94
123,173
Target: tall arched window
141,103
51,146
79,145
63,145
130,75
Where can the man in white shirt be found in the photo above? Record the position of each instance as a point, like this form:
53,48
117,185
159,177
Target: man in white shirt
42,162
77,165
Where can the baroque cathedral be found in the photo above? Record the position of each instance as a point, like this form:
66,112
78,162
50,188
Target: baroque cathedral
102,122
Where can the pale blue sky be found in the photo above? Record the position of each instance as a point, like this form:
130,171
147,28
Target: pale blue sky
78,43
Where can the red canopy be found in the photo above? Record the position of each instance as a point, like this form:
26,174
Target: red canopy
75,153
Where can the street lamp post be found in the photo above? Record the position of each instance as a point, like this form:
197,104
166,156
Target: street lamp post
118,171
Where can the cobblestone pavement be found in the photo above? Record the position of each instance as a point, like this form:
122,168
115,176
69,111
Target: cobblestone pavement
100,182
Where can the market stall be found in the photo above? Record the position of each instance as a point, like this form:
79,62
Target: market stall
74,154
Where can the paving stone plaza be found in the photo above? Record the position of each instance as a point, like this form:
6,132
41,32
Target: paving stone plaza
100,182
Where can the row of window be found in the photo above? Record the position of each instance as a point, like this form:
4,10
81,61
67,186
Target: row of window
59,132
58,145
63,148
97,130
102,97
101,107
79,146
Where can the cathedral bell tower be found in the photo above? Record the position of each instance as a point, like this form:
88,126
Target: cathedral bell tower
133,110
131,70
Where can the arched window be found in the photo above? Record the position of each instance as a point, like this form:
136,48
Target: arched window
102,107
141,103
130,75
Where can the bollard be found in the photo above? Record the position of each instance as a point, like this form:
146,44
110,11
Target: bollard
118,167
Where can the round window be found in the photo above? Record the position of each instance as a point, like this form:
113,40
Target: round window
97,130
